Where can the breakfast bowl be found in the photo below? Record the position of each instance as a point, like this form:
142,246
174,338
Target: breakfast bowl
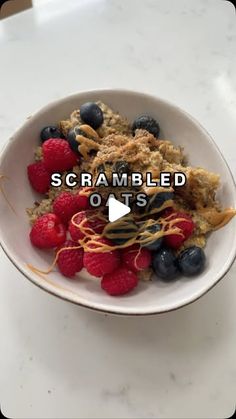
150,297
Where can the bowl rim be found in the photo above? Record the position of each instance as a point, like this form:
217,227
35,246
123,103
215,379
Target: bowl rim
92,306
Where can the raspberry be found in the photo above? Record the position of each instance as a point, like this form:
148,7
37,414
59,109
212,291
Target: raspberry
101,263
70,261
82,200
58,156
136,258
119,282
39,177
95,225
47,232
186,226
65,206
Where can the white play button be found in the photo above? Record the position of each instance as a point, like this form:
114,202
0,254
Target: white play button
116,209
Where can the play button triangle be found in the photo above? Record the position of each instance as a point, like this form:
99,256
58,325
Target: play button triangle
116,209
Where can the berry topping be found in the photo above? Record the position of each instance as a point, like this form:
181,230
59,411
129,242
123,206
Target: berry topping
76,137
156,243
121,233
82,200
65,206
91,114
165,264
121,166
71,137
101,263
70,261
136,258
101,168
39,177
58,156
158,199
191,261
119,282
50,132
148,123
186,227
48,232
90,224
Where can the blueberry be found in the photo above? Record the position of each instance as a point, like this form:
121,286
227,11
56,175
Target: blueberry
91,114
148,123
157,200
121,166
50,132
165,264
119,235
101,168
192,260
121,240
71,137
157,243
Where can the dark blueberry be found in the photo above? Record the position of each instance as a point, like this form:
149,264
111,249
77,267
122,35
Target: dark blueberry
101,168
50,132
121,167
165,264
121,240
157,200
192,261
157,243
148,123
119,235
91,114
71,137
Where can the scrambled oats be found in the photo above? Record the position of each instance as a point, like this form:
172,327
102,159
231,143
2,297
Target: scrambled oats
145,153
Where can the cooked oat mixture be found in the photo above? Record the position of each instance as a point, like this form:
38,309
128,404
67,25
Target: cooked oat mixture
114,142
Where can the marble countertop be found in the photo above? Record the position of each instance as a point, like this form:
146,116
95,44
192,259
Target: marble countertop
61,361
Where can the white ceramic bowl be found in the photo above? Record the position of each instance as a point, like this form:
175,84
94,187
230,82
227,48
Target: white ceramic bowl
148,298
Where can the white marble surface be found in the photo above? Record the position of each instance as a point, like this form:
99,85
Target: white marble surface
61,361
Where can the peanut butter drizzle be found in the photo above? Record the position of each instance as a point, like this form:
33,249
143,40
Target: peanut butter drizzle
89,131
86,145
152,190
36,270
91,244
217,218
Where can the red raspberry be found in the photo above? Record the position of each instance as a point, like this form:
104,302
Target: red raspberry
47,232
39,177
58,156
119,282
70,261
101,263
167,211
186,226
95,225
82,200
65,206
136,258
